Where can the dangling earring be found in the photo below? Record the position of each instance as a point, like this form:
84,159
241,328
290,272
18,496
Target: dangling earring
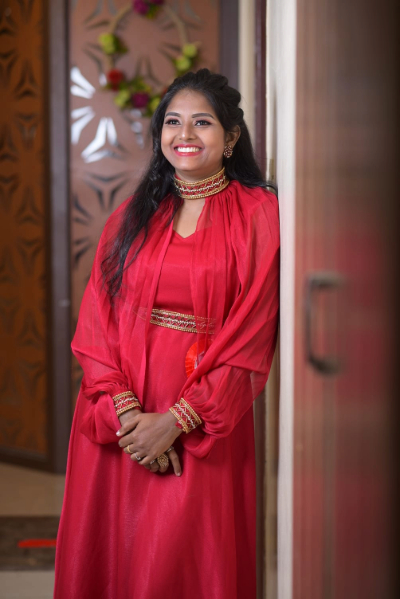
228,151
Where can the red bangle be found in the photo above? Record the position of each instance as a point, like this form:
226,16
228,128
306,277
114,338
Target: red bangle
187,418
125,401
127,408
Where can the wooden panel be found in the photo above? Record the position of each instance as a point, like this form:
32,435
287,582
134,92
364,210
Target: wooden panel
311,256
228,40
59,262
104,172
23,272
366,252
346,225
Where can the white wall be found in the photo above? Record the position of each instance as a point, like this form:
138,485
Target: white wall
246,61
281,80
281,71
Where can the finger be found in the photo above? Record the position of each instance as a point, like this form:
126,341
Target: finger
145,461
163,461
139,463
176,464
129,449
163,469
154,467
127,440
134,457
127,427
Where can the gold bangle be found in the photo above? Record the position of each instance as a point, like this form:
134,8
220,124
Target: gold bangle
186,415
191,410
181,421
127,401
131,407
124,394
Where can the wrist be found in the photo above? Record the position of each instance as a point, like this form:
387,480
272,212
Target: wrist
129,414
172,423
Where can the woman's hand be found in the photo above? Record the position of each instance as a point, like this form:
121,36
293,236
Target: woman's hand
127,417
150,435
127,420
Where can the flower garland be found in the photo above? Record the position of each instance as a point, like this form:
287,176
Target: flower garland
136,92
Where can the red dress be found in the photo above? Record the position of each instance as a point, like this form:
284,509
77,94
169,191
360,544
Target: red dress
126,533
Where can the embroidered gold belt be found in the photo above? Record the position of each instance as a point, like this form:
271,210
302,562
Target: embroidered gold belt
181,322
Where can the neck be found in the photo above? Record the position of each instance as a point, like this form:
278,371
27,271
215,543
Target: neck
195,178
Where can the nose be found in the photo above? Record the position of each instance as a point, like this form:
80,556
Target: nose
187,131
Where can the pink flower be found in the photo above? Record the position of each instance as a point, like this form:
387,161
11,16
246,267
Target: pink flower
140,99
141,7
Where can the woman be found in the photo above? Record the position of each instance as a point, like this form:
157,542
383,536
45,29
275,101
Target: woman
176,336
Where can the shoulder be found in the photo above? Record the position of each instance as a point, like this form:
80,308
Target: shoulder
124,212
254,228
251,200
118,213
110,231
253,206
115,219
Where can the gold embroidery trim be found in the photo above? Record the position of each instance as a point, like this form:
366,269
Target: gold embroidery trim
123,395
183,424
185,415
181,322
125,401
129,407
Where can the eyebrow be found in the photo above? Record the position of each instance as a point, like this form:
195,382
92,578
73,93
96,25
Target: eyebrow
193,115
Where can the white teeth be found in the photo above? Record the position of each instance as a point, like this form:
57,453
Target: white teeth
187,149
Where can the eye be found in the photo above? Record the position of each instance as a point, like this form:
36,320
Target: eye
171,121
202,122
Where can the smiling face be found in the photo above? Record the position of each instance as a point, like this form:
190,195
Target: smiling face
192,138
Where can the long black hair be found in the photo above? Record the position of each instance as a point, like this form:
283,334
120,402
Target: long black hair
157,182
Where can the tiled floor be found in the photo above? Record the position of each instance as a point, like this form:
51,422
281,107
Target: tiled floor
25,492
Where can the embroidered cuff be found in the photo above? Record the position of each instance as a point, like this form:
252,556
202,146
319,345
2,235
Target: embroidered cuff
185,415
125,401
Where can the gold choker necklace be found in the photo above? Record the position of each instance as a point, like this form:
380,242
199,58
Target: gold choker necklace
203,188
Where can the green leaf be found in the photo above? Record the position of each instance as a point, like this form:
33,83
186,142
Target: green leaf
189,50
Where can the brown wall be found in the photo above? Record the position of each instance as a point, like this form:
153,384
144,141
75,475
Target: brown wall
42,46
103,175
23,267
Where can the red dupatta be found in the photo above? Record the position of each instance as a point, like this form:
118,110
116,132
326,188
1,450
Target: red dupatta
235,285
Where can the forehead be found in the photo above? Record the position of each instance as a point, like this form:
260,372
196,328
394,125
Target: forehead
190,102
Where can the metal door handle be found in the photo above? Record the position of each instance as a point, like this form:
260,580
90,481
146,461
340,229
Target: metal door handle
316,282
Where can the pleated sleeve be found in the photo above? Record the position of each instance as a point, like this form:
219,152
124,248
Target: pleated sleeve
235,369
96,347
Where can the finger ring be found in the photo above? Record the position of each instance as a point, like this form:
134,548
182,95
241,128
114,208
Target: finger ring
152,462
163,460
128,450
137,457
169,449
